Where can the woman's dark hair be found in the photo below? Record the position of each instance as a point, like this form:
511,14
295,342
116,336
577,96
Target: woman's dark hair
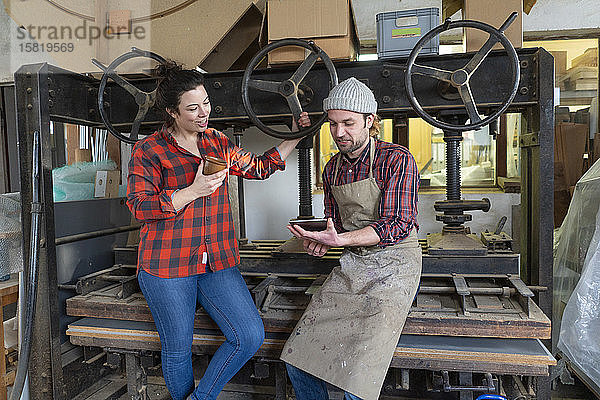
173,83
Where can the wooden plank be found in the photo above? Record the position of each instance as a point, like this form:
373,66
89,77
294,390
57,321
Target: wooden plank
97,386
109,391
72,138
113,147
10,286
510,185
429,301
527,353
501,165
229,387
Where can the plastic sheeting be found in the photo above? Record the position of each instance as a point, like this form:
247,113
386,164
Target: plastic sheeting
11,253
76,181
577,277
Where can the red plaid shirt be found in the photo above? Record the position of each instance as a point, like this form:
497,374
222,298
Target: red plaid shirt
172,242
397,176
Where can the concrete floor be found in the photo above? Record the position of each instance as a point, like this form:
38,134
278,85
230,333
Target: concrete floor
578,391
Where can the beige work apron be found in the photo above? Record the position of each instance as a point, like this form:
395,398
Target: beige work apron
350,329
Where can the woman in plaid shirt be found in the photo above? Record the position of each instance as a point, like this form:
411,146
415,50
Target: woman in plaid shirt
188,251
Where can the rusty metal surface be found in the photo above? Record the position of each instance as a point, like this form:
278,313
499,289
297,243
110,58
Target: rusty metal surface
266,256
459,305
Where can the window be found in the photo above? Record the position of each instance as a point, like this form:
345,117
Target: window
325,147
477,152
575,70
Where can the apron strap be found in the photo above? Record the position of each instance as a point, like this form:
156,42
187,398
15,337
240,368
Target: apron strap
371,156
337,168
371,161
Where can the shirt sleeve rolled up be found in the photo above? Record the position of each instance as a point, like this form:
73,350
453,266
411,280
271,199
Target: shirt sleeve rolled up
398,201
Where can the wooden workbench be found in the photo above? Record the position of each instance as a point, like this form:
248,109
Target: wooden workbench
494,355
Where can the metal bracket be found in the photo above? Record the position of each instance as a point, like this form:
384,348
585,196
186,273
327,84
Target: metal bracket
488,381
402,378
525,294
530,140
460,284
123,275
137,381
259,292
261,370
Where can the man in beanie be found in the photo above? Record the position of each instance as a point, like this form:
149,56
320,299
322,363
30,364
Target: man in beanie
350,329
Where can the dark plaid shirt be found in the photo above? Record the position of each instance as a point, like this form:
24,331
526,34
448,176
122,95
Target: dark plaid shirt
172,242
397,176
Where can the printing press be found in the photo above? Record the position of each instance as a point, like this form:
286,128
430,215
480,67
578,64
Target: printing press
482,313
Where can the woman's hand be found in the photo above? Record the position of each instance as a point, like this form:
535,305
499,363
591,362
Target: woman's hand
286,147
303,121
205,185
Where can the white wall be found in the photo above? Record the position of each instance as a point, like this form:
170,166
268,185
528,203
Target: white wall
501,206
270,204
553,15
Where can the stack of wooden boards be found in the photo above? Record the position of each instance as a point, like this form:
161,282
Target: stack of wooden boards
583,74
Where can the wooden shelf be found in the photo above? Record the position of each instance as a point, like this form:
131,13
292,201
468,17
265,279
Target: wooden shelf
9,294
576,97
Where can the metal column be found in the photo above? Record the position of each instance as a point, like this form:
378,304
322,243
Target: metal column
31,92
537,193
537,181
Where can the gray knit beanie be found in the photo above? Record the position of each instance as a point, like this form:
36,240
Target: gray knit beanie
351,95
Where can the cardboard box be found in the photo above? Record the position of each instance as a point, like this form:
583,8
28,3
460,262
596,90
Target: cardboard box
589,58
569,147
560,65
562,114
329,23
107,183
493,12
596,148
187,31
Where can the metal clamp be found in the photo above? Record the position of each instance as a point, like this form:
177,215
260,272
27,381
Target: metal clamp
488,380
530,140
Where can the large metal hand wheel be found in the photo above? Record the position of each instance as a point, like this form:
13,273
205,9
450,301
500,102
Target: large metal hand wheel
144,100
460,78
288,88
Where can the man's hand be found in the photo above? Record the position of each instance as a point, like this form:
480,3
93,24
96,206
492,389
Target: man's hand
205,185
317,243
315,248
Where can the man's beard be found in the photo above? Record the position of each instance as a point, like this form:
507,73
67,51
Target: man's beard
354,146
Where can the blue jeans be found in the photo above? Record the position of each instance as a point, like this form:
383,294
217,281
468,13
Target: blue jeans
225,297
309,387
